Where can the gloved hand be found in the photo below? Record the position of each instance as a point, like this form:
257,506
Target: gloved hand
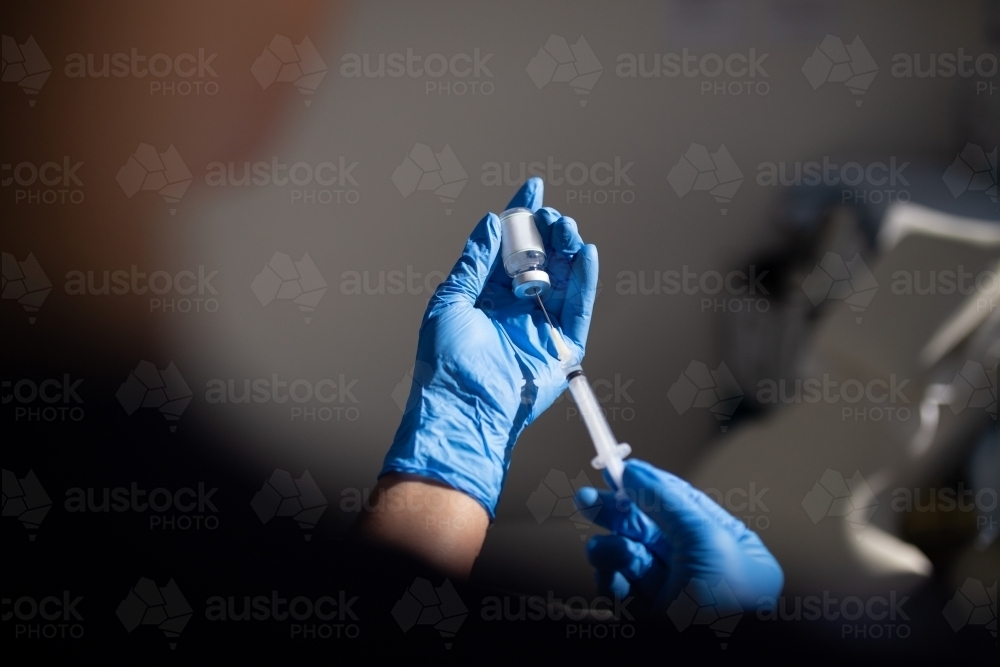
486,365
666,533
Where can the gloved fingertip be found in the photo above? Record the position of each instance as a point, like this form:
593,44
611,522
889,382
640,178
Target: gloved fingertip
640,472
566,236
569,222
530,195
493,225
640,476
586,497
589,263
534,189
485,231
547,214
619,586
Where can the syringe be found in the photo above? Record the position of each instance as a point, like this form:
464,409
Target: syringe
610,452
524,261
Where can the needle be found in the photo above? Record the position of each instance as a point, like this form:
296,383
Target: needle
545,312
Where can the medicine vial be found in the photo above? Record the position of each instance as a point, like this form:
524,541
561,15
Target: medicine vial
523,253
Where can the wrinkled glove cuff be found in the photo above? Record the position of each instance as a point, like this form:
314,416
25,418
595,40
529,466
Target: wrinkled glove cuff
468,450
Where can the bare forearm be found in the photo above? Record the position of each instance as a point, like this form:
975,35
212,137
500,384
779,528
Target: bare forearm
429,520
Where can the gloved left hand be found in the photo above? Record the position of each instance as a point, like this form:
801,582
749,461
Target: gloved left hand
667,535
486,364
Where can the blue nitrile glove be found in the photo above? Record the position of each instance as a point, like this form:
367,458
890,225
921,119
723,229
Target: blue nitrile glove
666,533
486,365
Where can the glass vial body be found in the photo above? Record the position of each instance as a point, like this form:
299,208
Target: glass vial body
523,253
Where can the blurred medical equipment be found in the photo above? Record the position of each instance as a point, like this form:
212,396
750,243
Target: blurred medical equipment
833,471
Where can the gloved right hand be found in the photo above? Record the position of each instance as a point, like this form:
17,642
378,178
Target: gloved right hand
664,533
486,363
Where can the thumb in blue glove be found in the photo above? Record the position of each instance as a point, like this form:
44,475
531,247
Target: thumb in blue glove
666,534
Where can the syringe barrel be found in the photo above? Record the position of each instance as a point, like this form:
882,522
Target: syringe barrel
597,424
